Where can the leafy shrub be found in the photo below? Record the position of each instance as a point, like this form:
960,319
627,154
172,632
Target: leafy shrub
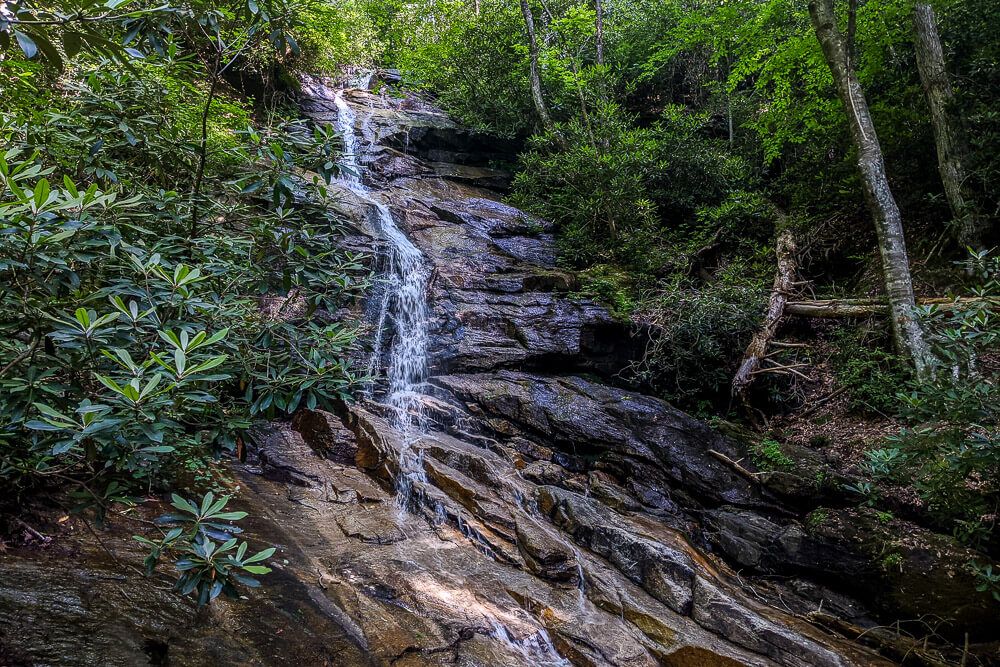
871,373
612,287
333,34
207,567
131,349
699,332
950,450
615,189
477,70
989,581
768,455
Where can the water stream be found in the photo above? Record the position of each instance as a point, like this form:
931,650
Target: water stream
536,649
403,305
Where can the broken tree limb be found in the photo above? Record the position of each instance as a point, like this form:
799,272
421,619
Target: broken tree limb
784,282
735,465
869,307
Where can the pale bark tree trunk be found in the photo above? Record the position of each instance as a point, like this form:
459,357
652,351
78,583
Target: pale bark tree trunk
536,81
907,331
833,308
599,6
951,147
784,283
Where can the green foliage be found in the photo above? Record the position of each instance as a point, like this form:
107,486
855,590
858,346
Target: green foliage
989,581
201,541
891,561
817,518
870,372
611,287
132,352
332,35
477,68
593,186
950,450
52,32
605,180
768,455
701,332
55,32
974,58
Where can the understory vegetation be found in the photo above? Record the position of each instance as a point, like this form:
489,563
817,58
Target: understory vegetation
169,269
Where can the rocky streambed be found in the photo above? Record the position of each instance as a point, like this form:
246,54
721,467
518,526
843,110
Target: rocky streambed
550,516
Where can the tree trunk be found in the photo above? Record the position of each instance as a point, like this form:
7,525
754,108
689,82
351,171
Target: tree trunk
784,282
599,6
536,81
951,148
906,328
834,308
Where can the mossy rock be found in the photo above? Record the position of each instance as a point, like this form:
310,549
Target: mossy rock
917,573
787,470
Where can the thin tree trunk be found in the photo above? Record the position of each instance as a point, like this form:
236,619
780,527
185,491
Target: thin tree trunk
536,81
907,330
583,104
599,6
729,102
951,147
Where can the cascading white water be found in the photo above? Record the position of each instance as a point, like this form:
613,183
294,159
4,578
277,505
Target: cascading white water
537,649
404,303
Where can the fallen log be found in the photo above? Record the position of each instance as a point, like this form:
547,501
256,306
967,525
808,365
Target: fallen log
868,307
784,282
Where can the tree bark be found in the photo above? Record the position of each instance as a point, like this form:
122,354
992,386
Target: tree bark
834,308
599,6
907,331
969,224
784,282
536,81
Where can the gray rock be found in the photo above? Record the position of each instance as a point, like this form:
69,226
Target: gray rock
326,434
633,435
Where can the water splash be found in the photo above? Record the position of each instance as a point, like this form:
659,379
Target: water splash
361,78
537,648
404,304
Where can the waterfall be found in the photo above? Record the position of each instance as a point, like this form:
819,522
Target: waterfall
404,304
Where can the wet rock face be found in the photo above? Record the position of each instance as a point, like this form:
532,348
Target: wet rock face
634,436
326,435
499,301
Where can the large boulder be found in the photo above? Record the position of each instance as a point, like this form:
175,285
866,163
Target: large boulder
912,572
656,448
